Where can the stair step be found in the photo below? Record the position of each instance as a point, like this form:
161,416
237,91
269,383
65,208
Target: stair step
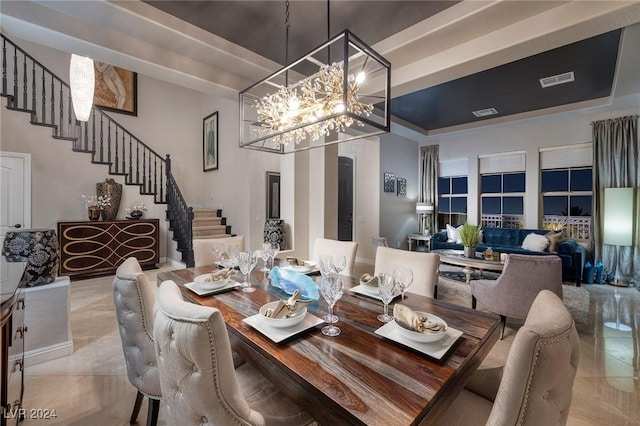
197,237
30,111
101,162
37,123
65,138
207,221
206,213
88,151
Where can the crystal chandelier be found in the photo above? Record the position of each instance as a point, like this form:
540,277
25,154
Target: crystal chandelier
338,92
82,82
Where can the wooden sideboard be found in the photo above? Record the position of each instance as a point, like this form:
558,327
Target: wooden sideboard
97,248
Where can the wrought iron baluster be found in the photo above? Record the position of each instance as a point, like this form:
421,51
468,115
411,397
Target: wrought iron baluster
53,101
162,199
15,76
61,131
149,186
25,80
86,135
109,142
124,166
137,162
93,136
144,169
4,66
43,119
130,160
155,177
116,153
101,138
33,86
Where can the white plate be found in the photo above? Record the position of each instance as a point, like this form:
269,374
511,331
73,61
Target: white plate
435,349
203,289
309,266
227,263
279,334
370,292
314,270
211,285
291,321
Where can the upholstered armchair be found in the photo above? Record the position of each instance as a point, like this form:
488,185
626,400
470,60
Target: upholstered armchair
535,385
197,376
134,300
522,278
423,265
207,251
324,246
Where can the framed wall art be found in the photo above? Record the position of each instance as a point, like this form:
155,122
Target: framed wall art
402,187
116,89
273,195
389,182
210,142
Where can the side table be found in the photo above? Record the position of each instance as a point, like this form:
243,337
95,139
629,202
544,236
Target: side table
417,238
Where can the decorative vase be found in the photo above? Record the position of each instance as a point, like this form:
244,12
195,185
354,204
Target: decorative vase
110,188
94,213
274,232
470,252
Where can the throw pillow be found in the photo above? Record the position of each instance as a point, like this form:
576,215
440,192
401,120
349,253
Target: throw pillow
453,234
554,238
535,242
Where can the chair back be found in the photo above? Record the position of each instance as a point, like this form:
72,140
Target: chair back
207,251
324,246
134,300
423,265
536,386
196,365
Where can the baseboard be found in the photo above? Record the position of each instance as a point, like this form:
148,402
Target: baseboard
47,353
174,263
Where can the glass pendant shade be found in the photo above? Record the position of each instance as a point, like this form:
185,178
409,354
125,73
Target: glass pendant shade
338,92
82,81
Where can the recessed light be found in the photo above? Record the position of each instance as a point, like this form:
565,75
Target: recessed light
485,112
554,80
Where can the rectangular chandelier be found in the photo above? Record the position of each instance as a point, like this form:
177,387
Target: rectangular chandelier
338,92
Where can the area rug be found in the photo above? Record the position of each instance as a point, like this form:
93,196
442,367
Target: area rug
576,299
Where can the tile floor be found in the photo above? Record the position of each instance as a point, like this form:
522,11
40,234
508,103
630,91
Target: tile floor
90,387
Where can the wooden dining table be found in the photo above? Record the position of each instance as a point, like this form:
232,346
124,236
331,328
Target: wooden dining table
357,377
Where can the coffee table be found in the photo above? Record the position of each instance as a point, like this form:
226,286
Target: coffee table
457,258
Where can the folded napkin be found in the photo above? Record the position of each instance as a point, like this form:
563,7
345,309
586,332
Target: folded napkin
294,261
287,308
219,275
408,319
290,281
370,280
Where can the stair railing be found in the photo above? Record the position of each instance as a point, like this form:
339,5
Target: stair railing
31,87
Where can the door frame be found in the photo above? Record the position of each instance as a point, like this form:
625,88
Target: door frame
27,184
354,231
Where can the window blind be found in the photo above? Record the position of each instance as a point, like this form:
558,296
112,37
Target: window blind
454,167
561,157
502,163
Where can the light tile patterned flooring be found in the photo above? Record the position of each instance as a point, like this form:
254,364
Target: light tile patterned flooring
90,387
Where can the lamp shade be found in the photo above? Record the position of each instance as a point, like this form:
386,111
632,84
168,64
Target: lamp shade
39,248
82,80
424,208
618,216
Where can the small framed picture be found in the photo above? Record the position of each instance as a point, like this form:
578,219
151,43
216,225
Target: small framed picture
402,187
210,142
273,195
389,182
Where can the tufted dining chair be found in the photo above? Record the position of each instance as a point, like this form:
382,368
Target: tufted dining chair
423,265
207,251
323,246
534,387
134,300
523,277
198,380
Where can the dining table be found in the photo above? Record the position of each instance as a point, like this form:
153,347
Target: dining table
358,377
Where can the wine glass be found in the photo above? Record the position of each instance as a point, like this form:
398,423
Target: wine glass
403,278
275,249
386,287
244,262
325,264
232,253
265,254
338,262
332,289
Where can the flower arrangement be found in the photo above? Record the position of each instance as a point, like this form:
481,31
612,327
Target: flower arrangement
95,202
135,211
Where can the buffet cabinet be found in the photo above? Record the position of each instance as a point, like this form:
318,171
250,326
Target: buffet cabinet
97,248
12,330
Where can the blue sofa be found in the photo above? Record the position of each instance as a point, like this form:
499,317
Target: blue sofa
507,240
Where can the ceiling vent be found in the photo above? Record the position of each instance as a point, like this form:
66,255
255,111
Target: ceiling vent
554,80
485,112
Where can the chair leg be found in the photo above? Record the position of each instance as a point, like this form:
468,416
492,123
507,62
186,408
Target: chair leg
435,292
136,408
473,301
152,413
503,324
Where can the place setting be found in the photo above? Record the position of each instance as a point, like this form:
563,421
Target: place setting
213,283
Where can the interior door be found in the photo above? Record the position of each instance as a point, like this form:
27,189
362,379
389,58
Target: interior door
15,202
345,199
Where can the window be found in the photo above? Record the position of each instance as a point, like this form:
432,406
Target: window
502,198
452,201
566,187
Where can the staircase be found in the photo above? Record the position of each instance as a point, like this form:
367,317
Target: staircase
31,88
210,224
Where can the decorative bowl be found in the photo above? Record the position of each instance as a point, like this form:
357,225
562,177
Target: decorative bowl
296,318
213,285
307,267
427,336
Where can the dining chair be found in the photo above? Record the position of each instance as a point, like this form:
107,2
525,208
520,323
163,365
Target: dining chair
423,265
323,246
207,251
134,299
534,387
197,376
523,277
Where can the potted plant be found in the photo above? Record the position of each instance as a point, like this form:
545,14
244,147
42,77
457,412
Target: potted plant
470,237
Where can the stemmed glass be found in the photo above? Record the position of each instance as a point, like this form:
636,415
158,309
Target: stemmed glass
338,262
275,249
247,261
325,264
403,278
386,287
265,254
332,289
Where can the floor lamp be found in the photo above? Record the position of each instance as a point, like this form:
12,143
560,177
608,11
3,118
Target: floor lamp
423,210
618,225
